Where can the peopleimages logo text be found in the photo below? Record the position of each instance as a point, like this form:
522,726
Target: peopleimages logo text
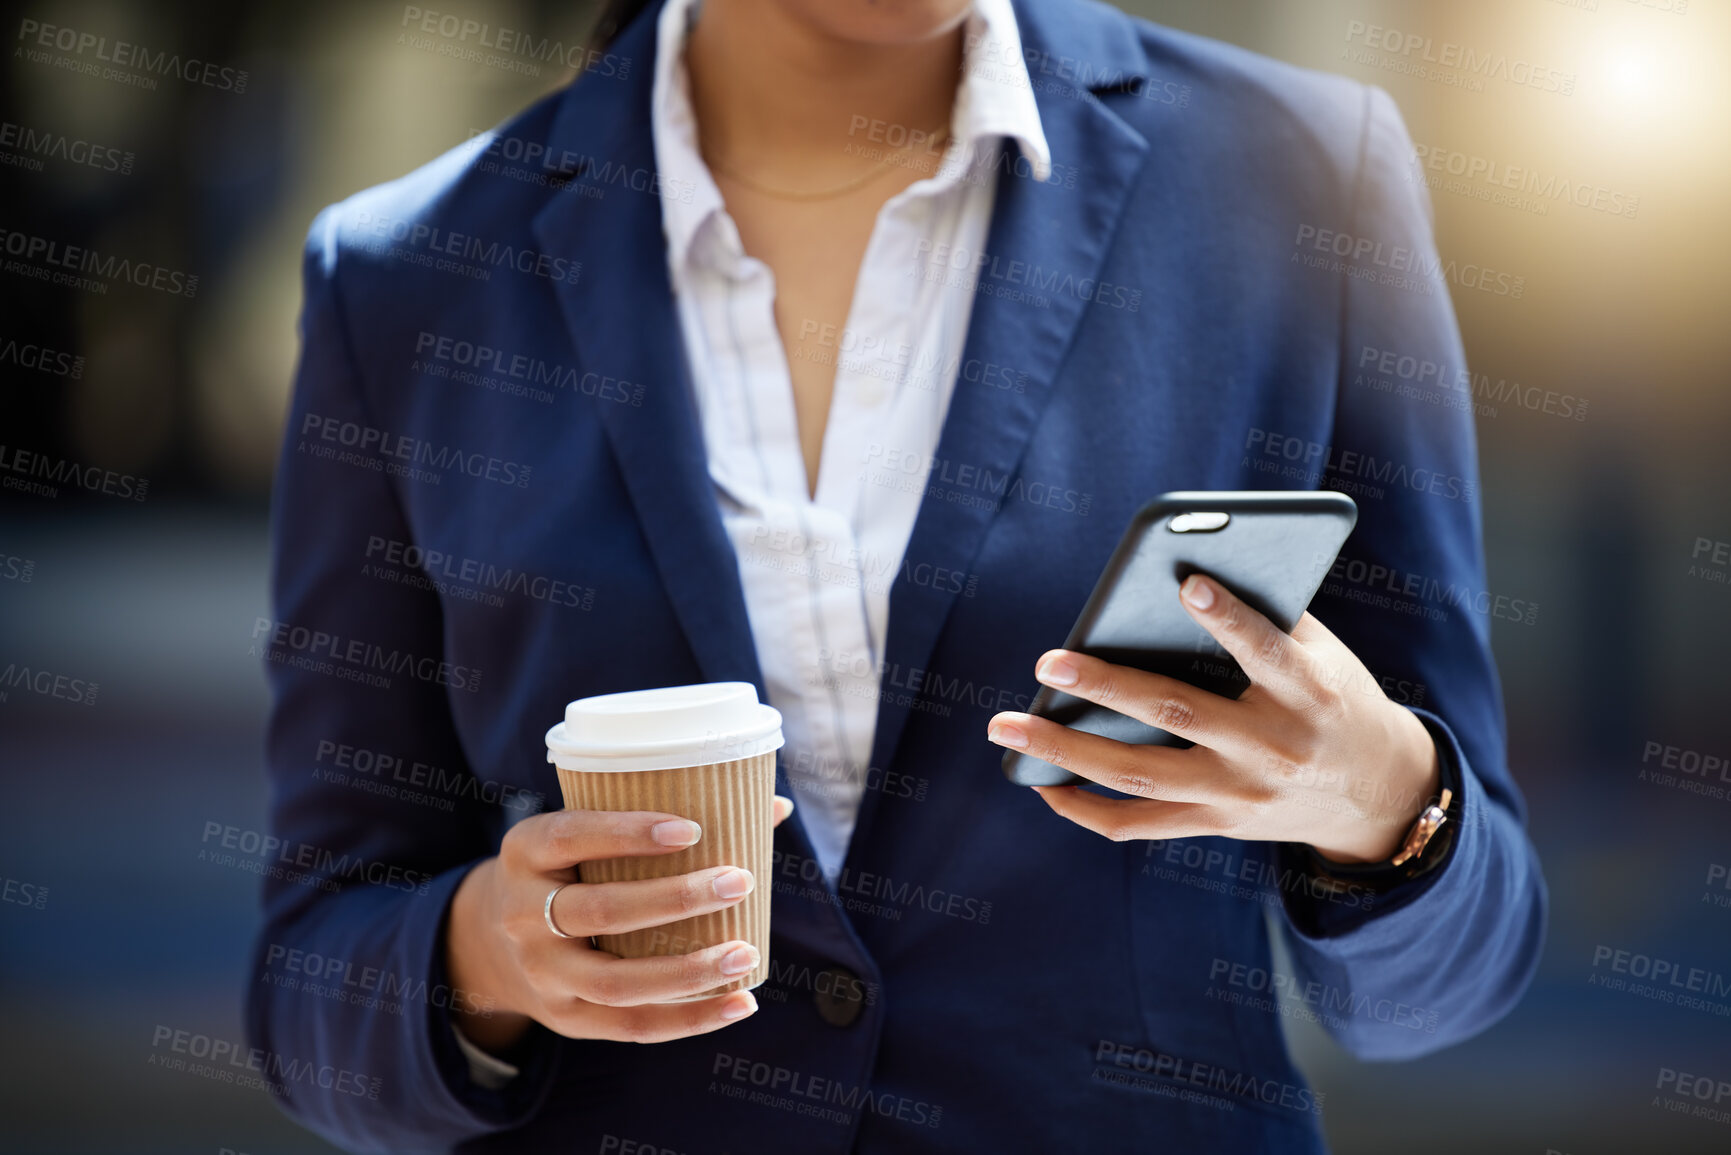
296,645
1482,65
1426,268
413,451
431,239
514,42
48,254
322,862
990,268
443,567
48,684
1546,187
28,355
128,55
34,142
266,1068
484,358
25,463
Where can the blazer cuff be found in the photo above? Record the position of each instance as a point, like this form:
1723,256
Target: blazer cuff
494,1104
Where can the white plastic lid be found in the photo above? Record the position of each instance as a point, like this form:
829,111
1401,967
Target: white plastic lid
665,729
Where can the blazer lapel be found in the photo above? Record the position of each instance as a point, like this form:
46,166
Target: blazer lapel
1062,231
622,320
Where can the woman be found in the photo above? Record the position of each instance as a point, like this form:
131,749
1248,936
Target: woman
830,346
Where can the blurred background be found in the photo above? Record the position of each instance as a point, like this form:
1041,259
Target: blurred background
136,591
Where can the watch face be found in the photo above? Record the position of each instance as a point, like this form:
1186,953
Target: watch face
1438,838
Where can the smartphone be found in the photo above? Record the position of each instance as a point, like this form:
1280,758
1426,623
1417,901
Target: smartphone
1271,549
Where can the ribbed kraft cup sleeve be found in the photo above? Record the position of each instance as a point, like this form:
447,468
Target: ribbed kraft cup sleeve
733,802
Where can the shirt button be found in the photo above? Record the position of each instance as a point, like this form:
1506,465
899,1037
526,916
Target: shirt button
839,995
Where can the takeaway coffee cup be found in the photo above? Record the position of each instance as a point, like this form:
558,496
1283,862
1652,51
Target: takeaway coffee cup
704,752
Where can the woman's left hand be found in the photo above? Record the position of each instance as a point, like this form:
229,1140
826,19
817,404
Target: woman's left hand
1312,752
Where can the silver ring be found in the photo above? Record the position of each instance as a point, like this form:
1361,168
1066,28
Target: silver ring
547,911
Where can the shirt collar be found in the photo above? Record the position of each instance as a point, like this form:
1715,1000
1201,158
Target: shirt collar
994,99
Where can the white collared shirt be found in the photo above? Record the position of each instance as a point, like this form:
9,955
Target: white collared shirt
817,570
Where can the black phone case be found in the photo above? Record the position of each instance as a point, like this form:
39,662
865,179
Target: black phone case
1273,552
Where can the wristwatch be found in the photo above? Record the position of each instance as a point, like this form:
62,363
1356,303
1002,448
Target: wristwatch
1424,829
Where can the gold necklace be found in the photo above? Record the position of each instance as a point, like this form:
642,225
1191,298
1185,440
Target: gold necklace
848,186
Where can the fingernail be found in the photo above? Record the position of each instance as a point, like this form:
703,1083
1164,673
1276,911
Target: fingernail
1058,672
1005,734
739,960
1197,592
733,884
740,1007
676,832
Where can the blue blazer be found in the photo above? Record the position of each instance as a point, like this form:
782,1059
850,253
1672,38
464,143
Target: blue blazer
492,499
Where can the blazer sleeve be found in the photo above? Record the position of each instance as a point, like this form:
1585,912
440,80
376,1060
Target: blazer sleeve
361,882
1444,956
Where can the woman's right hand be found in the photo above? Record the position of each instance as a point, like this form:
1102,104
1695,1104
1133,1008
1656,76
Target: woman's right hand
513,970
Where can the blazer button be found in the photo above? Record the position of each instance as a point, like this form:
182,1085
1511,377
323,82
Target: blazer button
839,995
